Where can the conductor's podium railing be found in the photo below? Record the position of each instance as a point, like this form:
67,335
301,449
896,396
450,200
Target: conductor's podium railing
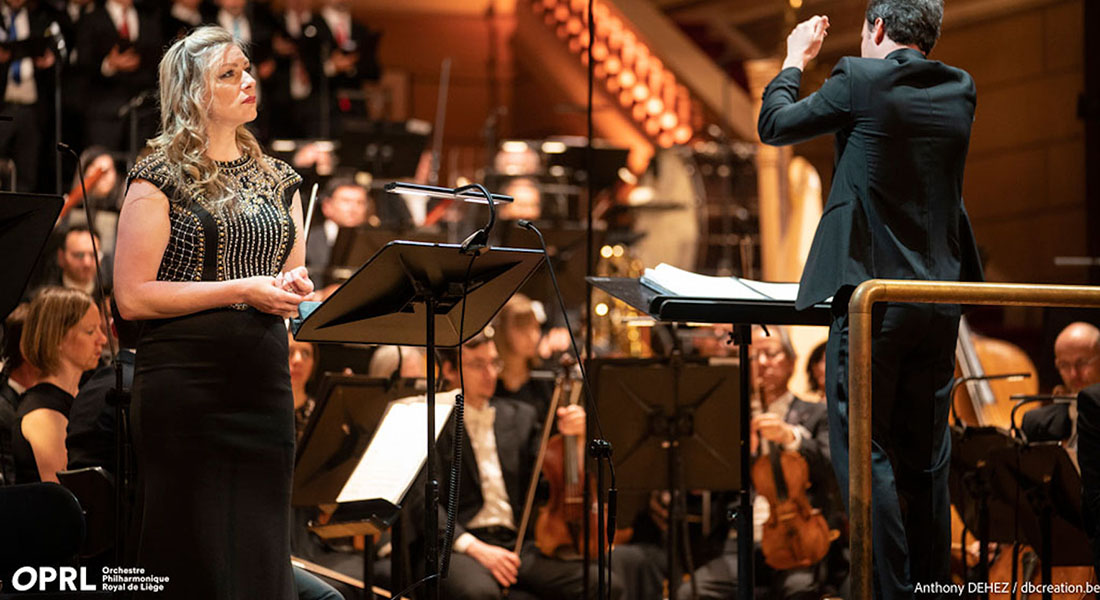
859,318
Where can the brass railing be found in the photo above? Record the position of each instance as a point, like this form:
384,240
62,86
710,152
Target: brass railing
859,343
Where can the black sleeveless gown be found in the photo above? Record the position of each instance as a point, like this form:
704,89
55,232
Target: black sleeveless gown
213,412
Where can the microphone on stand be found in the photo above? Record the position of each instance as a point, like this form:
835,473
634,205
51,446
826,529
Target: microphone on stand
118,394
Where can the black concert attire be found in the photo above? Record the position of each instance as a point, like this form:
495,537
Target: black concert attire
295,89
347,36
26,93
90,439
515,432
895,211
177,21
9,404
213,412
98,33
43,395
536,392
717,578
1050,423
1088,459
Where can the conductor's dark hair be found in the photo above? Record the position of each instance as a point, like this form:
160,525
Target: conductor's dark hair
908,21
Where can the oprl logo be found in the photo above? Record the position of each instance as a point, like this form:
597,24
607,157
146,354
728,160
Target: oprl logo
62,579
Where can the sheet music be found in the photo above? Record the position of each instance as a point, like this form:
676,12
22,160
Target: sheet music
669,279
396,452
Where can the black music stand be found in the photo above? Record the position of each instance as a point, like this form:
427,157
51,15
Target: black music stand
348,412
26,221
674,411
969,483
742,314
1048,488
413,294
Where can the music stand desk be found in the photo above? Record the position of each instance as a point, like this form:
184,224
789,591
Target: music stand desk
742,314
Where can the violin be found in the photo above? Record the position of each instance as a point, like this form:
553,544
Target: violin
796,534
559,526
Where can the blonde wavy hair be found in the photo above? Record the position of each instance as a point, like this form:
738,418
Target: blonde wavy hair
186,101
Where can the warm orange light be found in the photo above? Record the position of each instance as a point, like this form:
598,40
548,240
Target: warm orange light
615,33
652,127
599,71
669,121
548,4
599,51
626,97
561,13
666,139
638,112
614,65
575,46
613,85
682,135
579,6
574,25
627,79
562,32
601,12
641,92
654,106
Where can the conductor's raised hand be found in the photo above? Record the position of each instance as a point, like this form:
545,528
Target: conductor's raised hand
805,41
266,294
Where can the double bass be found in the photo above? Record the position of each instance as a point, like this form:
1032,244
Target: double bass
989,404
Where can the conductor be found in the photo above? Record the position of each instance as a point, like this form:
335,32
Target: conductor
902,126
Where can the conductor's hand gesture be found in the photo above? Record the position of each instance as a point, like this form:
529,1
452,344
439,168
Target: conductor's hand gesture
805,41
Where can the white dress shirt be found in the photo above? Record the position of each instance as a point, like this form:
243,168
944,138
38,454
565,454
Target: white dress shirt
496,510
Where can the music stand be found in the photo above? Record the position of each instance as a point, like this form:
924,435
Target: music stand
676,411
1044,479
26,221
348,411
669,307
968,482
413,294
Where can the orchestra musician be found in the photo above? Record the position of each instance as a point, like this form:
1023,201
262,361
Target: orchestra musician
895,210
498,457
209,254
795,425
1077,357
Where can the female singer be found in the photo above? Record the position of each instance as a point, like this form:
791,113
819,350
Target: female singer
210,254
62,337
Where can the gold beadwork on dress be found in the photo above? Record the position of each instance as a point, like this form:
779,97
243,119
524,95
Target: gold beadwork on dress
253,235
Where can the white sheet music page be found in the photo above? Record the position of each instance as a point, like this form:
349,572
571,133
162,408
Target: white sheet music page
669,279
396,452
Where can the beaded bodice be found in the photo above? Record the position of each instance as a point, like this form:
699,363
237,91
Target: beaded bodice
252,237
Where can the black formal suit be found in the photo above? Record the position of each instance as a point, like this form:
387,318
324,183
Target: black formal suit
895,210
22,139
298,117
1088,459
9,404
1049,423
97,36
517,428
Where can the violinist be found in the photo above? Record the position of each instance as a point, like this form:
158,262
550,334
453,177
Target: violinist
791,424
502,441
